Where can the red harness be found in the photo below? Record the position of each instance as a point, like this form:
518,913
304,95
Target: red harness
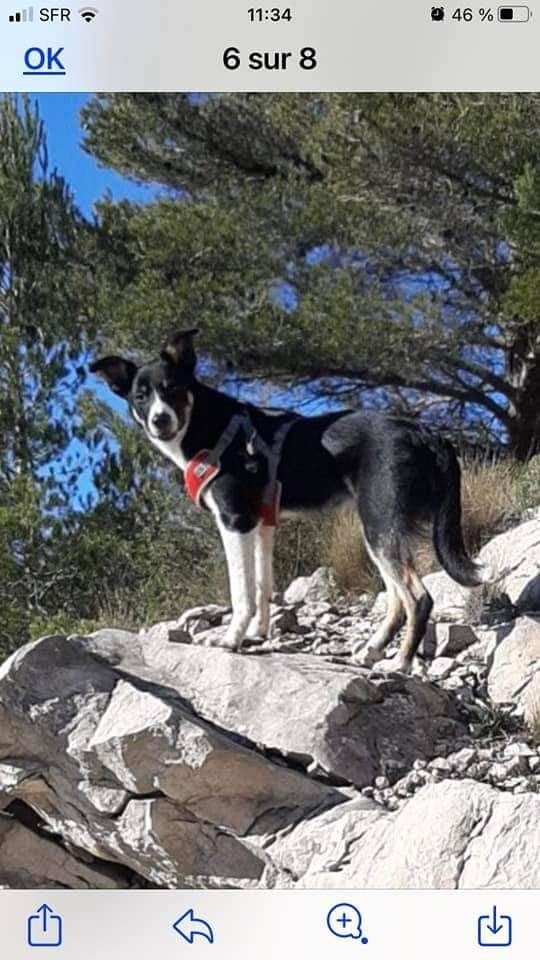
206,465
198,474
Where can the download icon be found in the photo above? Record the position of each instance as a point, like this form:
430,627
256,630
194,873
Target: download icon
494,929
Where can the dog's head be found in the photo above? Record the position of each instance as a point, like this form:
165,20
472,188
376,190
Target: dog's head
159,393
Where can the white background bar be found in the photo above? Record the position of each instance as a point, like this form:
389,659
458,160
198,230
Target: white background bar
138,925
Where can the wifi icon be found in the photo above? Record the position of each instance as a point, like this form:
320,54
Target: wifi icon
88,13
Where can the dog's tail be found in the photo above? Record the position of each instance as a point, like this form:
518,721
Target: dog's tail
447,531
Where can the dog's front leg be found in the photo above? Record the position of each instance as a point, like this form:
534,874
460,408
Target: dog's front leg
264,580
240,555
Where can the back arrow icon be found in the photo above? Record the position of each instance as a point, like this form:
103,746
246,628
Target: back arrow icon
189,926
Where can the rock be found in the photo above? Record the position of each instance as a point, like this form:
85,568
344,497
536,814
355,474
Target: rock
28,860
123,768
463,759
319,587
514,674
441,765
321,845
283,620
453,638
456,834
441,668
514,554
308,711
196,621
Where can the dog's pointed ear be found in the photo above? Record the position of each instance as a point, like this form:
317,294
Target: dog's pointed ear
179,348
117,373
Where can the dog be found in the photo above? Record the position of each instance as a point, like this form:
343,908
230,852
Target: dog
246,464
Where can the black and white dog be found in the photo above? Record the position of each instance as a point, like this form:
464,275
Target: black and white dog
244,463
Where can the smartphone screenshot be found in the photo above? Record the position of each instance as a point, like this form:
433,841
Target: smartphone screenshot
269,480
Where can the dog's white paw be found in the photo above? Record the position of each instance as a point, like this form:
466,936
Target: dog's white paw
397,664
258,628
222,637
365,655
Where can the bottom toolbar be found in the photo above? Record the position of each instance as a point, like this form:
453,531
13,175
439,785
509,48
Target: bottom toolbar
131,925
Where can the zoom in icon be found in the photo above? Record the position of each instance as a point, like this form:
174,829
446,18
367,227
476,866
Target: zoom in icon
344,920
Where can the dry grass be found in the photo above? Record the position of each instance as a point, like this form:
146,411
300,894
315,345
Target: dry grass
532,711
346,553
489,500
494,494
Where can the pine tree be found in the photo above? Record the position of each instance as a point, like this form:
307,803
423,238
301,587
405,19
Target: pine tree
379,248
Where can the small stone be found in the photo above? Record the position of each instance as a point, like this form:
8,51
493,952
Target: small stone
517,749
440,765
482,768
179,635
522,788
463,758
499,772
382,783
284,620
453,638
321,585
441,668
456,684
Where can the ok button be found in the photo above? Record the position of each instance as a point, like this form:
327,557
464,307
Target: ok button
46,62
345,920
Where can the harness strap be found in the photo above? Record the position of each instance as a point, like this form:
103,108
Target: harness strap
269,510
240,420
206,465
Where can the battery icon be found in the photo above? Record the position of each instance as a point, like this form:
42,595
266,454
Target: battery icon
514,14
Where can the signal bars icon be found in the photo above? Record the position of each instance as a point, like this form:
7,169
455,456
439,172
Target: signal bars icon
88,13
22,16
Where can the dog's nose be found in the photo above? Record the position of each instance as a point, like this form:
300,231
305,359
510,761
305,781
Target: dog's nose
161,421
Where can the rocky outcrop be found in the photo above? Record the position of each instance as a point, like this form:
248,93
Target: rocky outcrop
514,559
125,769
514,676
151,760
449,836
177,761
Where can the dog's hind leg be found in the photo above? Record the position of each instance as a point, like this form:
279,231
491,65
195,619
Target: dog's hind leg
418,605
264,580
406,594
370,653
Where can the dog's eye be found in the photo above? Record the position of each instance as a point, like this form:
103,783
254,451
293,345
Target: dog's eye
141,396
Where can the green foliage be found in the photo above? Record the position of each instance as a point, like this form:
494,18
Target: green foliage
44,318
407,227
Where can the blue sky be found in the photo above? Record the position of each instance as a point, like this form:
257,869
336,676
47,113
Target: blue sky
88,181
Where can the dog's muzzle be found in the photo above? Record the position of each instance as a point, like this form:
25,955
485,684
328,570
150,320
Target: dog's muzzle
162,426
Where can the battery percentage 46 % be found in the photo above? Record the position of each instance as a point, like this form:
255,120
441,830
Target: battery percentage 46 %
467,14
